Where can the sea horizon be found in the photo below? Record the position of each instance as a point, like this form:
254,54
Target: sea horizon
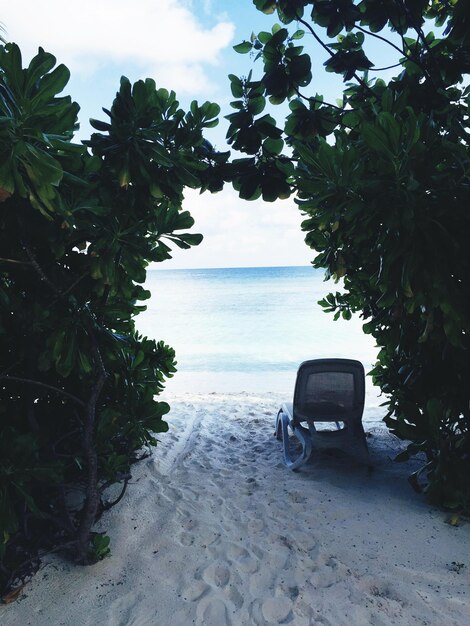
229,267
247,328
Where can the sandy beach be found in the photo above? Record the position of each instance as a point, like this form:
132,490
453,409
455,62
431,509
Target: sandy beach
215,531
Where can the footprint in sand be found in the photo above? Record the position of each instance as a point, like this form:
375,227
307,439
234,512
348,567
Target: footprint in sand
277,610
186,539
271,611
212,612
330,572
187,522
242,559
247,565
296,497
250,487
260,554
255,526
195,591
236,552
216,575
235,597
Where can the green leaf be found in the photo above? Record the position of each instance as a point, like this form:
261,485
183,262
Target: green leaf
256,105
210,109
161,155
50,85
85,362
139,358
40,64
274,146
236,86
41,167
376,139
105,127
266,6
243,48
264,36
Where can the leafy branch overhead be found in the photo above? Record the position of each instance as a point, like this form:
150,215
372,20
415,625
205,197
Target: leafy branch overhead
79,225
382,177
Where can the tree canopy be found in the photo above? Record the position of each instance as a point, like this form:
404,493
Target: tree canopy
79,225
382,176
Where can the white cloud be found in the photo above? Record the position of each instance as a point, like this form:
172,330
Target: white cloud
163,35
184,78
238,233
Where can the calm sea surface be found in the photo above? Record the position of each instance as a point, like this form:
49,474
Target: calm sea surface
246,329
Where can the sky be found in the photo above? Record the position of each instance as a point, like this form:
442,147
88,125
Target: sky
187,46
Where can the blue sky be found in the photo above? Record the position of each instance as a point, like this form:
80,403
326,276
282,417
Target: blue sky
185,45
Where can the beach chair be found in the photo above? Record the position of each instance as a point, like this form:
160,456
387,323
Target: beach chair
329,391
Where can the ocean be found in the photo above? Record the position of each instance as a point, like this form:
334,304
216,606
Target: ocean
247,329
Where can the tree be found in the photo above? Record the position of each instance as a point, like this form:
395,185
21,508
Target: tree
78,227
383,179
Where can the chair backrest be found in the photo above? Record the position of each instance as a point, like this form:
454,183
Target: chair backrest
329,390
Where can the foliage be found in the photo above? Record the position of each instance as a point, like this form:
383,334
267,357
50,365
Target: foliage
78,227
383,178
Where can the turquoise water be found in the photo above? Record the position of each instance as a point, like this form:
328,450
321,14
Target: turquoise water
246,329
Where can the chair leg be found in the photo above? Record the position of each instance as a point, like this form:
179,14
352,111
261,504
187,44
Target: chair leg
302,435
278,431
359,446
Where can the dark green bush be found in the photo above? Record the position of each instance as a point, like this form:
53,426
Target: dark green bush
383,177
78,227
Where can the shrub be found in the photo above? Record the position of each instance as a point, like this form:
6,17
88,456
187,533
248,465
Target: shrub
79,224
383,177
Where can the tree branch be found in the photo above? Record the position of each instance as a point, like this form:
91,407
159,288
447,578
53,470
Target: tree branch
38,268
92,498
3,260
61,294
44,385
46,279
332,54
381,69
108,505
401,7
310,99
400,50
368,32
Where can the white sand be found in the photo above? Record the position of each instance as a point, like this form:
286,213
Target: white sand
216,531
